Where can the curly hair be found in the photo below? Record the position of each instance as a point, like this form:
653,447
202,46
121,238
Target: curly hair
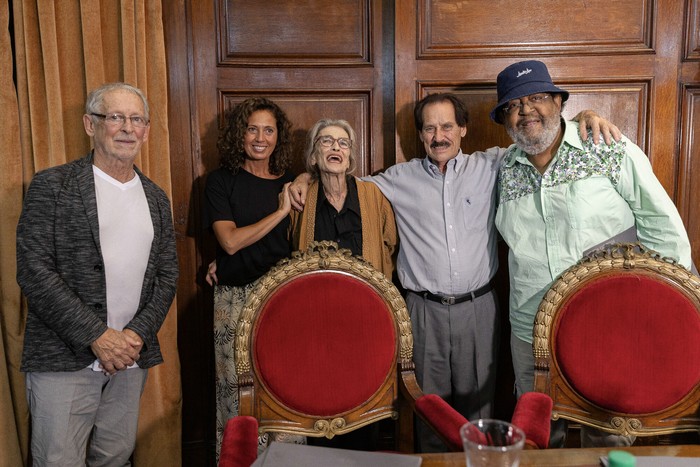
314,149
231,140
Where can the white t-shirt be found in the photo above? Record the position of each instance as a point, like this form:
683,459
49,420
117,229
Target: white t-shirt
126,234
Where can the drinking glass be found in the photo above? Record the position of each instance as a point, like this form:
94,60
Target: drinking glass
492,443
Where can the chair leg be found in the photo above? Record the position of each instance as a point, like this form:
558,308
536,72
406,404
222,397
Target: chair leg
404,427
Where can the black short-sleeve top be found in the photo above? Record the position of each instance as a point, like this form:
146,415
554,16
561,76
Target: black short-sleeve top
246,199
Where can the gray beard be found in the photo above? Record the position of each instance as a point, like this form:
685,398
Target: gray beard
536,145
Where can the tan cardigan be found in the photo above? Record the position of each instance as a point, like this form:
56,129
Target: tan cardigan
379,238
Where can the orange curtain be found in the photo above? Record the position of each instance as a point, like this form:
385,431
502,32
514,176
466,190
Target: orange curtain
13,407
62,50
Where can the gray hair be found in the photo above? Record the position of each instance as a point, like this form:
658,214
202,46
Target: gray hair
313,149
95,100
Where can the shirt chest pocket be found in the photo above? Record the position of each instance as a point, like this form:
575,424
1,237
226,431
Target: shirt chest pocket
477,211
590,199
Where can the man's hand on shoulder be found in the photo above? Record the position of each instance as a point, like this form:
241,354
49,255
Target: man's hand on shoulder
597,124
297,191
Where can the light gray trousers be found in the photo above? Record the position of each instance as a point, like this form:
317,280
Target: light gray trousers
85,411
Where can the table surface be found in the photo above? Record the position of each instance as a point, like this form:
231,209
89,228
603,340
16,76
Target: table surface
580,457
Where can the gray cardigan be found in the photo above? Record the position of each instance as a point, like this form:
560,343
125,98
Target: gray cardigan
60,270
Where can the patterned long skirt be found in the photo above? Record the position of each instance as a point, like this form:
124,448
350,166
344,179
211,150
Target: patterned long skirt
228,305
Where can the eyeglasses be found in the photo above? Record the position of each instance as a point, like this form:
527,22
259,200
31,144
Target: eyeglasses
532,101
329,141
118,120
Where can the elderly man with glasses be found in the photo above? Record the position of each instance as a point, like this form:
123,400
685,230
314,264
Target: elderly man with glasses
96,260
560,196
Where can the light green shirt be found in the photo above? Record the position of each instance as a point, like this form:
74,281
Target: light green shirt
588,194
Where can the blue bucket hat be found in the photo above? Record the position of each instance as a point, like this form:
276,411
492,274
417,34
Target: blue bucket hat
522,79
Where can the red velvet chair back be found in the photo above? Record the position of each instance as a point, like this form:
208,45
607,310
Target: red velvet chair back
320,345
617,343
343,336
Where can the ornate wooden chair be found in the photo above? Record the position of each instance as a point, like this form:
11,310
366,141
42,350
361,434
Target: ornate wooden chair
617,343
323,347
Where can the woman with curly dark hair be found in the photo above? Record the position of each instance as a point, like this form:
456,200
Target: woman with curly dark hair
247,206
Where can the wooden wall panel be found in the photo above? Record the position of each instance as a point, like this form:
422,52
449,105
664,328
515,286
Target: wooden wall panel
472,28
689,176
691,31
193,296
323,32
625,103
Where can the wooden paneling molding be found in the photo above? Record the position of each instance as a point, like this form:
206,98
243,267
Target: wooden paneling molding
692,31
292,33
689,182
473,28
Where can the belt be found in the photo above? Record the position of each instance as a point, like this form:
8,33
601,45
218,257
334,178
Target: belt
453,300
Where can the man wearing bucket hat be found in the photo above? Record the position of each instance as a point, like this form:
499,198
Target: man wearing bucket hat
560,196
